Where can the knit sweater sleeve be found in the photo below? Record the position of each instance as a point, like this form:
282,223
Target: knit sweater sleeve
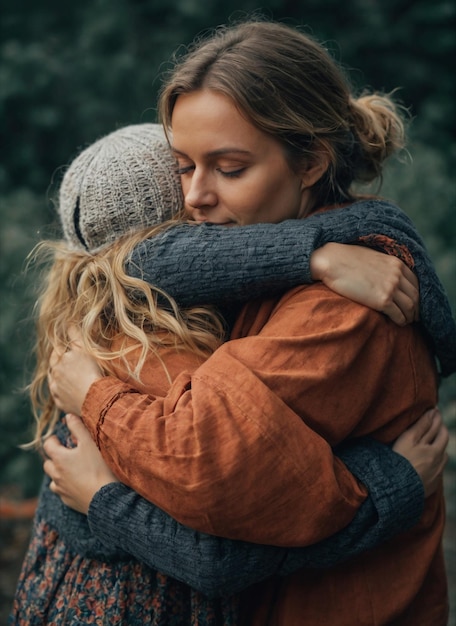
218,265
121,519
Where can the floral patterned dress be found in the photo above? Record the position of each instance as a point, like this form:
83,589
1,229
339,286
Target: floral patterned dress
62,583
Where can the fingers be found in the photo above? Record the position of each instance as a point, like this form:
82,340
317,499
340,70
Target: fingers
52,466
52,446
403,307
76,427
51,471
421,428
437,437
406,299
410,284
436,425
407,296
54,485
441,440
402,295
406,306
424,446
48,467
395,313
411,290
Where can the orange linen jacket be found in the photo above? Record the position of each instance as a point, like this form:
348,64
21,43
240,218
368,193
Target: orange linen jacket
241,448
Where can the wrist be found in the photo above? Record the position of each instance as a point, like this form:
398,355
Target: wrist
319,262
86,386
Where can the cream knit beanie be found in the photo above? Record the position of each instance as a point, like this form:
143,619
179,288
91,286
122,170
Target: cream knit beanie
123,182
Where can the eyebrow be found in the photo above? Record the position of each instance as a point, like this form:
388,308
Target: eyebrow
215,153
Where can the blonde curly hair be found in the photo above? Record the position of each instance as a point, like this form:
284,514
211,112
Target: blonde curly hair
121,319
120,190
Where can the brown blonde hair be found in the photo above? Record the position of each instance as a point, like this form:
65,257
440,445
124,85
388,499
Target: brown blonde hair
109,307
290,87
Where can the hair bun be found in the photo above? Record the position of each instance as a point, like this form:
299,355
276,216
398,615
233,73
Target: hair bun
379,127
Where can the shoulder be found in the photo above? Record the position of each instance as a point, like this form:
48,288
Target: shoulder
306,309
316,312
318,300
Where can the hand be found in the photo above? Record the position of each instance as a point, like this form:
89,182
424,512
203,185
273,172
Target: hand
71,374
424,445
76,473
379,281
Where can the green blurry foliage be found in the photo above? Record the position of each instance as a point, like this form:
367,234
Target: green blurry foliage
71,72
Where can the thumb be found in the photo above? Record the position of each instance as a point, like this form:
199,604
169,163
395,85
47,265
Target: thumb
76,427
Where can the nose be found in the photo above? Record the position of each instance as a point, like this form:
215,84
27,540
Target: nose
199,191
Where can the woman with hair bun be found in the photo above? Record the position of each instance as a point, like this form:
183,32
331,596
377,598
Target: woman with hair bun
265,129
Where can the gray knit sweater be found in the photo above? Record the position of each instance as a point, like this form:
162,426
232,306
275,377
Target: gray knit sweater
121,525
217,265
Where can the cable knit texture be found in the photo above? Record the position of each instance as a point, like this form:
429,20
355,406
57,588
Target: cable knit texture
121,524
246,263
213,264
124,181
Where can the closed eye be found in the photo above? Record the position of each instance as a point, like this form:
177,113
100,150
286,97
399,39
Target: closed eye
185,169
232,173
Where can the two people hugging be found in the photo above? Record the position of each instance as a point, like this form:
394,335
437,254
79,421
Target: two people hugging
251,449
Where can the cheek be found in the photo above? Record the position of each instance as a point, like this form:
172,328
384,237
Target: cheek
249,204
185,184
269,197
281,201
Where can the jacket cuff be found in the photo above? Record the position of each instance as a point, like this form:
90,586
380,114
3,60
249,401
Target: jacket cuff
100,397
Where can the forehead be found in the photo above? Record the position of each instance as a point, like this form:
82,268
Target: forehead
209,121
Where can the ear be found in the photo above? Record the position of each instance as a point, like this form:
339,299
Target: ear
315,169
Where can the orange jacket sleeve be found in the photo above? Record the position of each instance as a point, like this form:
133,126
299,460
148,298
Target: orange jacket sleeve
232,449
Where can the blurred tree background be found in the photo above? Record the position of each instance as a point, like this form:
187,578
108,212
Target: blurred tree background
70,73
